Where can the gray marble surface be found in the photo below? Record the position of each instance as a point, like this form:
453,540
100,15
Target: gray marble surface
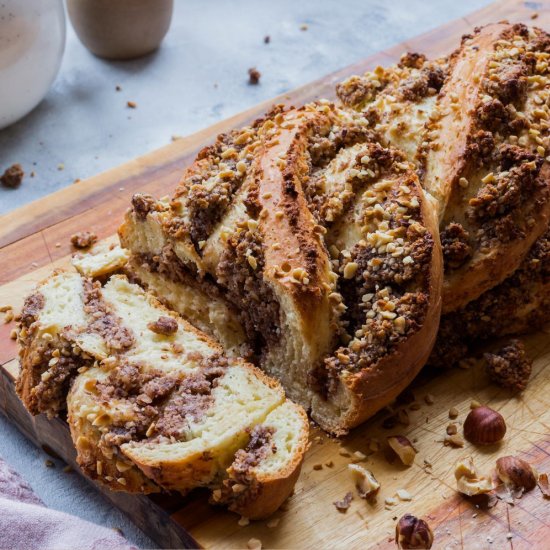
198,77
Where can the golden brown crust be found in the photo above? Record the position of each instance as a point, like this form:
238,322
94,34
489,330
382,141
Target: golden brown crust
323,240
479,145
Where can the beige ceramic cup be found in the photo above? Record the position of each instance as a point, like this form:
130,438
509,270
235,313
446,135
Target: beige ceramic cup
121,29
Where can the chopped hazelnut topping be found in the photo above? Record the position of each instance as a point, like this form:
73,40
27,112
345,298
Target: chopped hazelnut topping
164,325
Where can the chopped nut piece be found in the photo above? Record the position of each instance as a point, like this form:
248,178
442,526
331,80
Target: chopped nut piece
452,429
484,426
429,398
13,334
243,522
510,367
453,440
272,523
516,473
254,544
163,325
254,76
468,481
404,495
329,464
365,482
412,532
544,485
344,504
83,239
453,412
13,176
131,104
403,448
317,466
475,404
358,456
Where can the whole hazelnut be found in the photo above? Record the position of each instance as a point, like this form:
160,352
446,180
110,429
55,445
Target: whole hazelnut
516,473
412,532
484,426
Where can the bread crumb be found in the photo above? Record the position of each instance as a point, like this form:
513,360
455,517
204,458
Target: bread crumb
254,76
13,176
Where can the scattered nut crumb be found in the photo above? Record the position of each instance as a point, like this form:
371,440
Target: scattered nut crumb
49,463
429,398
453,440
404,495
57,245
534,15
544,485
343,452
13,334
510,367
304,27
344,504
366,484
358,456
329,464
131,104
254,544
272,523
254,76
61,167
317,466
83,239
243,522
118,88
267,39
403,448
77,180
390,501
176,137
453,412
67,469
475,404
13,176
452,429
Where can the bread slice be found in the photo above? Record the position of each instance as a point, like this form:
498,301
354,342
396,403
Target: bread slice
327,248
153,403
476,125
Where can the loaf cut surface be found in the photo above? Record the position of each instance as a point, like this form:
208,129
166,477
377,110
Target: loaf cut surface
152,402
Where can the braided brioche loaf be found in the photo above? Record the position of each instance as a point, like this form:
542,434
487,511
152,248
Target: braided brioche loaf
322,242
152,402
476,125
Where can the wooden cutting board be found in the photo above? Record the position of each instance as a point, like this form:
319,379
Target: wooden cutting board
35,239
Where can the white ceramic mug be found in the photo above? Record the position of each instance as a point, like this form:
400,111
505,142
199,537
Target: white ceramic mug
32,41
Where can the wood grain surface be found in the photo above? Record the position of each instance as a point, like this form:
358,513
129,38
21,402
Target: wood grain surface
35,239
